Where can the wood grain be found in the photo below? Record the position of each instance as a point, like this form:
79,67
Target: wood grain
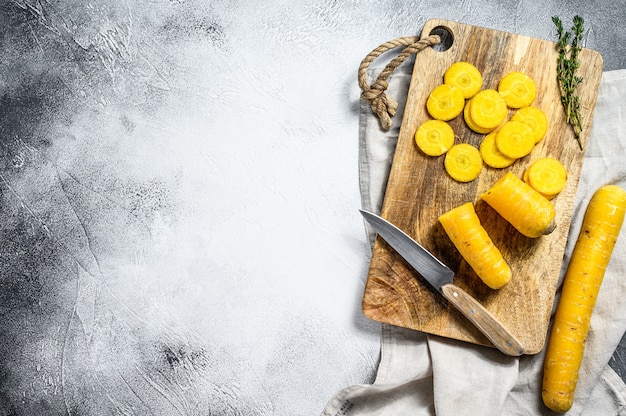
419,190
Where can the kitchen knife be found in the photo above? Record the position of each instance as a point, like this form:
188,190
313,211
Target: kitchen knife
440,277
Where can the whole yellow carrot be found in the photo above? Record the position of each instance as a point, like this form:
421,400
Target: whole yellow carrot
601,226
471,239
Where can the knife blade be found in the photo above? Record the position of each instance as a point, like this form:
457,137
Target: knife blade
441,277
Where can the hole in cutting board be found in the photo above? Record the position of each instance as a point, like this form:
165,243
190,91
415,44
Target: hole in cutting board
447,39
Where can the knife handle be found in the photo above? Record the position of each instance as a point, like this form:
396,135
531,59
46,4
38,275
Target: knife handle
493,329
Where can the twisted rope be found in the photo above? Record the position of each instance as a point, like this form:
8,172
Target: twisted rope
383,106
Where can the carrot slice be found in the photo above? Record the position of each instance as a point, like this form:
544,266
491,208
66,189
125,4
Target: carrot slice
491,155
463,162
517,89
488,109
547,176
434,137
535,118
527,181
445,102
465,77
515,139
470,123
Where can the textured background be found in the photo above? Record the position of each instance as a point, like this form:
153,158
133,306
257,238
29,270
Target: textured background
179,195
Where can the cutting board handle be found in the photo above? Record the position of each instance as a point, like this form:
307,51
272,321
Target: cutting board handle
383,106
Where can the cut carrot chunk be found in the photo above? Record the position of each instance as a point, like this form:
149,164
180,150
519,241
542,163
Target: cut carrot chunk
470,123
445,102
535,118
463,162
434,137
491,155
517,89
488,109
515,139
547,176
463,227
523,207
465,77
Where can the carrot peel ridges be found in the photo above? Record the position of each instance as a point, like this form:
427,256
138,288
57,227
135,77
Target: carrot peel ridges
525,209
463,227
601,226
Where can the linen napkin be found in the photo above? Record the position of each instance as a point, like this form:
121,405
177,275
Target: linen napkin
422,374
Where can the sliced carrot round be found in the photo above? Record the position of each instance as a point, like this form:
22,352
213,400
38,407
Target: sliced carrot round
434,137
515,139
445,102
547,176
523,207
517,89
488,109
465,77
470,123
491,155
463,162
535,118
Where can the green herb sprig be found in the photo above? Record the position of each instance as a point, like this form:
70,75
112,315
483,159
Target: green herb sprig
568,64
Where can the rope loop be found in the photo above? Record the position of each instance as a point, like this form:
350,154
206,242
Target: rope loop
374,94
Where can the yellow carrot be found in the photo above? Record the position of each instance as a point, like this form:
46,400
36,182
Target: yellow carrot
434,137
488,109
467,116
464,76
515,139
445,102
463,162
524,208
474,244
547,176
601,226
535,118
517,89
491,155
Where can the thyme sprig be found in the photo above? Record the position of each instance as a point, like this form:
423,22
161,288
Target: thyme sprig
569,46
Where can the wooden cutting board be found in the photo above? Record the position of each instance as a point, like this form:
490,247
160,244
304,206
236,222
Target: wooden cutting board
419,190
